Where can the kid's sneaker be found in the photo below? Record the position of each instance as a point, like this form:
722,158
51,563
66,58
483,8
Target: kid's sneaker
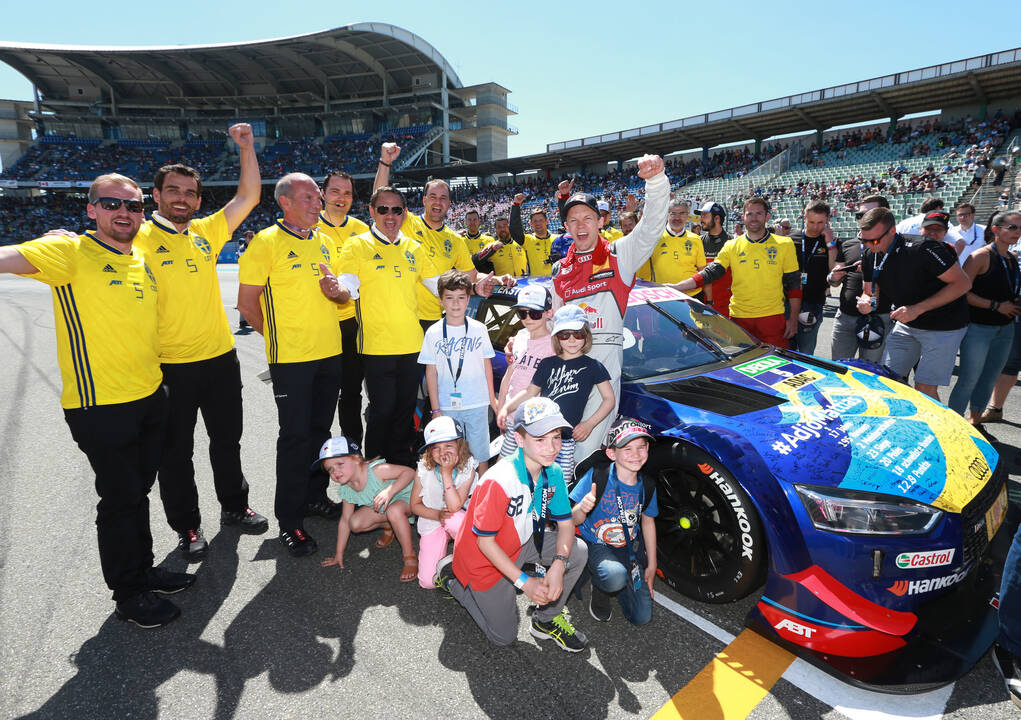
444,574
561,630
599,605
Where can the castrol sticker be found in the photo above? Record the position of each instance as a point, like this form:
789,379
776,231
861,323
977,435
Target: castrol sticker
926,559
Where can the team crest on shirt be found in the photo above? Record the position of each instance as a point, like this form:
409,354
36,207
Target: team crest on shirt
152,278
448,247
411,258
771,252
325,252
202,244
687,246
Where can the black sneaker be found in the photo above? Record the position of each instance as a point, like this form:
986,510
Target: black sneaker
323,507
193,544
1007,664
444,574
168,582
298,542
250,521
599,605
147,611
561,630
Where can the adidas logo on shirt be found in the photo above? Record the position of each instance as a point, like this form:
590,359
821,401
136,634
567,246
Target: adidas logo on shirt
109,268
377,256
162,249
292,255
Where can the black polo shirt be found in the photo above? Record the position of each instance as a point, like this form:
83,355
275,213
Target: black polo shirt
813,260
910,274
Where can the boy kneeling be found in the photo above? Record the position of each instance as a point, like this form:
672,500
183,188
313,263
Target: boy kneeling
506,527
610,502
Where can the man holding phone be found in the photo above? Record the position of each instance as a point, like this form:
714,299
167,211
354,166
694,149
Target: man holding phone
846,274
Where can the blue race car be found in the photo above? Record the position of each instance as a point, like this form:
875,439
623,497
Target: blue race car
865,511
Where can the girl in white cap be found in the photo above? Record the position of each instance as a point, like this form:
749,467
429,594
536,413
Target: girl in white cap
446,474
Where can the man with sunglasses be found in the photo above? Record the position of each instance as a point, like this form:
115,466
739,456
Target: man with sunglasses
599,276
200,365
282,292
847,273
108,349
926,289
339,226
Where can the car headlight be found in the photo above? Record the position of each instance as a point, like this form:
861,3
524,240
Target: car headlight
857,512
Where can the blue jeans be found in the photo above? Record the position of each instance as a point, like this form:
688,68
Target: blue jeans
804,340
611,574
984,351
1010,599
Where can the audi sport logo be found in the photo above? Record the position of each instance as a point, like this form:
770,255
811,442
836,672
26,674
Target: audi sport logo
926,559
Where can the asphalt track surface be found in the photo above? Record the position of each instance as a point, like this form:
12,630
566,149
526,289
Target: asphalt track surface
265,635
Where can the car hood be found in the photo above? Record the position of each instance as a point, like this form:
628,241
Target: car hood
852,429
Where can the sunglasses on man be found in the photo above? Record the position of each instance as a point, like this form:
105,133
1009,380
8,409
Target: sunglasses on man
111,203
384,210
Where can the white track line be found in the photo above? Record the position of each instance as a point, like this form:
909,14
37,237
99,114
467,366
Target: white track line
854,702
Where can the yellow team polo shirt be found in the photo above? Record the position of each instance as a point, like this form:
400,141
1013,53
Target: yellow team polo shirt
193,324
676,257
476,243
105,313
758,269
387,304
537,251
339,234
611,233
510,260
442,250
299,322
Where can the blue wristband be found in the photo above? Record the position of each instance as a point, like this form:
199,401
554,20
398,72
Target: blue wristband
522,579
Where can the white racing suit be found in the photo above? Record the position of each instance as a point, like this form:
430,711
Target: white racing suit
599,282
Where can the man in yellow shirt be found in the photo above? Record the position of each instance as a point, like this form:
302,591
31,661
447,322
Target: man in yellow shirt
200,366
279,293
105,312
539,243
474,238
510,257
679,252
335,222
608,231
765,268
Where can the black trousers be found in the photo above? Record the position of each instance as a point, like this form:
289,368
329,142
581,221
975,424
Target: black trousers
349,407
213,387
392,385
306,393
123,443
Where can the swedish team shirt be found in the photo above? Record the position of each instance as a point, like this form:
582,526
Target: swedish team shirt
611,233
758,269
105,313
192,322
510,260
339,234
299,322
676,257
442,250
537,250
504,505
476,243
387,307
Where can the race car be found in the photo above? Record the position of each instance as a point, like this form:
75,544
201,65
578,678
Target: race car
865,512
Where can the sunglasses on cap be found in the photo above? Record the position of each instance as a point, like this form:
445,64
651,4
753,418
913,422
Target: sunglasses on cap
568,334
384,210
112,203
527,312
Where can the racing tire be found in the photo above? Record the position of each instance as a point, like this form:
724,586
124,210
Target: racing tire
710,542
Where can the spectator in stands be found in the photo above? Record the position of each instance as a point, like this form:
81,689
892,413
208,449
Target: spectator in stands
200,365
926,288
847,273
340,226
714,237
117,410
303,347
996,287
765,269
817,254
967,236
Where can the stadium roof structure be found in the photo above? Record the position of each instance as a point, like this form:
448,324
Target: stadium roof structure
365,60
973,81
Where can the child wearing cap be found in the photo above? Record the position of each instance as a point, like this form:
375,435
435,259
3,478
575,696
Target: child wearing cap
532,344
506,527
457,356
615,510
374,494
567,378
443,482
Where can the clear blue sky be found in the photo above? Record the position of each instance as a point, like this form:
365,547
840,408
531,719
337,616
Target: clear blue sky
577,69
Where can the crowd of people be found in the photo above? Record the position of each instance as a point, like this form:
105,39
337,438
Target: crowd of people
373,307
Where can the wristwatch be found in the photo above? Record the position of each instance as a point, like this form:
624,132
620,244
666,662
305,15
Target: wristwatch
564,559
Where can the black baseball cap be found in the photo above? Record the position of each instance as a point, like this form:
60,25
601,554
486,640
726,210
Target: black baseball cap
587,199
937,217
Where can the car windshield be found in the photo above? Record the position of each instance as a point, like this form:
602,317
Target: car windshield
675,335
